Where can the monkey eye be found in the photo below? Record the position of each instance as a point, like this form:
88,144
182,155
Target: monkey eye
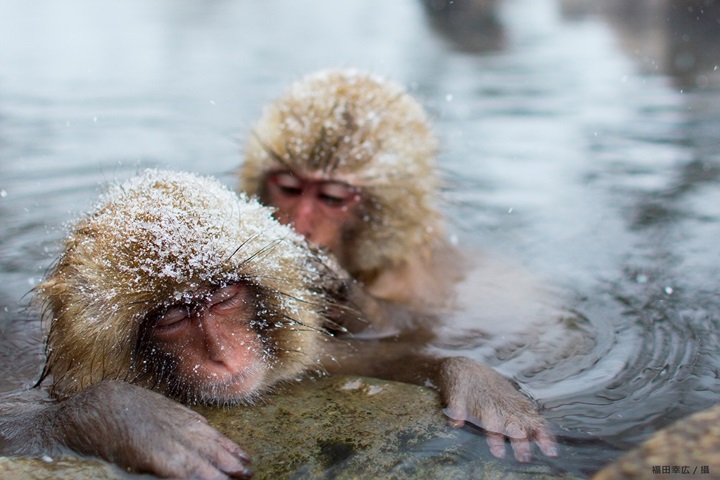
173,316
287,183
337,194
227,298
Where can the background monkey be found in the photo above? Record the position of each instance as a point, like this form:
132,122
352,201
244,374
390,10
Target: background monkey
175,284
348,159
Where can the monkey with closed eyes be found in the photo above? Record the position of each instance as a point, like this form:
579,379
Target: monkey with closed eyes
347,159
172,284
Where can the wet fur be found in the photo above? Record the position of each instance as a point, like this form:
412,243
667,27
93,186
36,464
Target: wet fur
100,310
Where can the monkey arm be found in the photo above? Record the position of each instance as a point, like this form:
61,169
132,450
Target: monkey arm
390,346
133,427
471,391
23,426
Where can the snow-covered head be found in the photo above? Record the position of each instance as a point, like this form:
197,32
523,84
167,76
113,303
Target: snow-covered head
164,238
363,130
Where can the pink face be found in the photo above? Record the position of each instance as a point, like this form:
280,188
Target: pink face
216,349
317,209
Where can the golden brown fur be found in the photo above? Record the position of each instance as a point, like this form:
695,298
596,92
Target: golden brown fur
162,238
369,144
369,132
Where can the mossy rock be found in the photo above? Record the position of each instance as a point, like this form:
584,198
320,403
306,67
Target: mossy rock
334,427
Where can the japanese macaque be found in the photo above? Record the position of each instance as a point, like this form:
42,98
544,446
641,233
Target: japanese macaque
178,285
348,159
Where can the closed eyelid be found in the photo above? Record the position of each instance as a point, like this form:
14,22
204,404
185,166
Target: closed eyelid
173,315
287,180
224,294
338,190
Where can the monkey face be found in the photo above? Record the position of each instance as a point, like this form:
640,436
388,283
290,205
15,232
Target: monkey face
319,209
366,131
175,283
217,349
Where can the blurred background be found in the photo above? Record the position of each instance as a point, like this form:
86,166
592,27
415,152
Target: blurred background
580,138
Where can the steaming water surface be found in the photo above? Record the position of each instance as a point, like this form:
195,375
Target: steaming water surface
565,156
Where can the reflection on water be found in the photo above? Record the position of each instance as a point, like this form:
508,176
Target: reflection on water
565,154
669,36
468,25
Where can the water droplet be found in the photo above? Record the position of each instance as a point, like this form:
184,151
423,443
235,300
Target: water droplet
668,290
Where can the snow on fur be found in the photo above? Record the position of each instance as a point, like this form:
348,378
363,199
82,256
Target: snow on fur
161,237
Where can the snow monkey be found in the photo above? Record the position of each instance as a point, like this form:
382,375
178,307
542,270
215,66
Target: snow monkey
348,159
178,285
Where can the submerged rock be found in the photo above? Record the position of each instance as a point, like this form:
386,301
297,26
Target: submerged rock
689,448
335,427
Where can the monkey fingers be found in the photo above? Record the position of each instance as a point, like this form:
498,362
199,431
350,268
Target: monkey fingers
475,393
521,449
146,432
495,430
520,432
522,429
546,442
498,428
496,442
526,427
211,455
496,433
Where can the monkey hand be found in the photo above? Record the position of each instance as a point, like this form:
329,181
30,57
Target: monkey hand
476,393
146,432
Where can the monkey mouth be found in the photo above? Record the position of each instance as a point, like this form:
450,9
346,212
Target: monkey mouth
233,388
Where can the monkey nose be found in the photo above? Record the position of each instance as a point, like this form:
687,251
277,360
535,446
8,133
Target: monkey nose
303,225
303,216
225,361
230,352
